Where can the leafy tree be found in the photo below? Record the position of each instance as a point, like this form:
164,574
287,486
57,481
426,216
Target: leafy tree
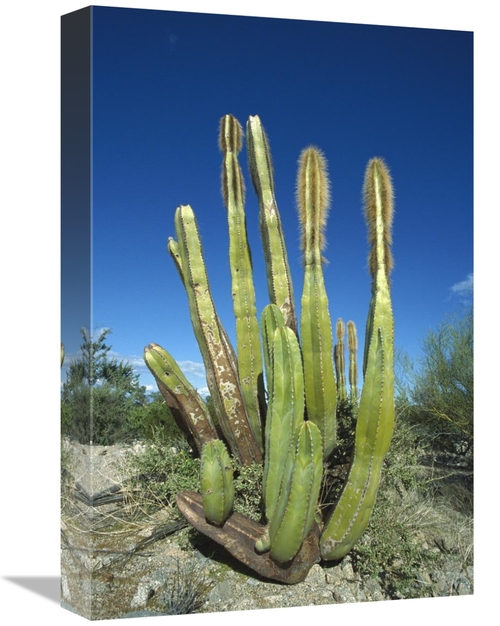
440,393
100,394
153,421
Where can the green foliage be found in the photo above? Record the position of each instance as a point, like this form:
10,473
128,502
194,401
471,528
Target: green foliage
100,394
163,470
248,491
153,421
440,392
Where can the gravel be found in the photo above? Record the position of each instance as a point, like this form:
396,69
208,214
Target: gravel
110,579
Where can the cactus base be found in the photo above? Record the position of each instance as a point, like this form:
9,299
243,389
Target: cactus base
238,536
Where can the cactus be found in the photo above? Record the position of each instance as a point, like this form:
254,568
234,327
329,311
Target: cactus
315,325
375,419
352,345
218,357
295,434
279,280
285,413
339,355
189,410
216,479
247,327
297,501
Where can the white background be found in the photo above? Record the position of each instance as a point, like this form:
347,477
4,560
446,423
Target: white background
29,248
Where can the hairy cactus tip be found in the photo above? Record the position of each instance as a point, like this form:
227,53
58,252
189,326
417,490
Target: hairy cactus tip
313,200
230,134
379,212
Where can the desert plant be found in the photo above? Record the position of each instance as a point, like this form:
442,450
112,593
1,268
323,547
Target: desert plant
290,426
185,589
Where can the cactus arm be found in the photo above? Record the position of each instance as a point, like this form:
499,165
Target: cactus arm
173,248
217,487
222,378
339,353
353,509
247,327
285,414
352,344
315,324
279,279
294,515
379,211
375,421
194,412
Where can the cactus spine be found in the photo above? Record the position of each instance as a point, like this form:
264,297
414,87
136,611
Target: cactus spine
217,487
247,327
375,419
313,198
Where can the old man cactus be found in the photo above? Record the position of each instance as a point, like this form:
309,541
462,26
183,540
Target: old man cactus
276,395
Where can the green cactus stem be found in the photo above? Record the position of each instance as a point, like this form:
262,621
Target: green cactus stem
247,327
173,249
217,486
222,376
279,279
271,319
296,508
352,345
189,410
339,354
313,199
375,420
284,417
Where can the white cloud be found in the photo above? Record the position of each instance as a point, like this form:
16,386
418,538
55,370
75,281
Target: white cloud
203,391
465,287
192,368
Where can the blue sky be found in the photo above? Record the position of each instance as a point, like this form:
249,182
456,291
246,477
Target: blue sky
161,82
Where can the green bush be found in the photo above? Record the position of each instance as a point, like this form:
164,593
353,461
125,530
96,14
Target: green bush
164,469
439,392
153,421
99,395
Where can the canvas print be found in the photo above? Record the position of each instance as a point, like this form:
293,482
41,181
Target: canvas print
267,313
